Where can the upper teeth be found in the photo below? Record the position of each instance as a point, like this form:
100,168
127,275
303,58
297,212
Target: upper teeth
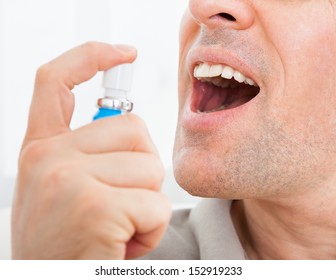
205,70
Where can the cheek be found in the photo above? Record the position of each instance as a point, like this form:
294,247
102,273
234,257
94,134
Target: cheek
189,31
306,46
305,43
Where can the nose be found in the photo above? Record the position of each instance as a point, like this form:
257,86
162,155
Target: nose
234,14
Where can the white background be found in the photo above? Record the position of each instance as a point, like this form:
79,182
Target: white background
34,32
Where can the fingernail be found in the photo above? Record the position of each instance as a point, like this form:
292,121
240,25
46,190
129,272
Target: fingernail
125,48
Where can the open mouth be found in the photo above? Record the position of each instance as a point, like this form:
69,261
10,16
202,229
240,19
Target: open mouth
220,87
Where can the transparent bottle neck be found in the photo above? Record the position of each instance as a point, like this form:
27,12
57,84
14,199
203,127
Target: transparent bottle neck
115,93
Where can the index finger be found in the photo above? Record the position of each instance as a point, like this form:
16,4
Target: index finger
53,103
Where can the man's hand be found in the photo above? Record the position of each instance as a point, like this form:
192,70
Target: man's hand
92,193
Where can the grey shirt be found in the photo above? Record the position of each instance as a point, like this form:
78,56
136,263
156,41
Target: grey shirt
205,232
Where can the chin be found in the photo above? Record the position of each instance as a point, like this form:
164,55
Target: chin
241,173
204,176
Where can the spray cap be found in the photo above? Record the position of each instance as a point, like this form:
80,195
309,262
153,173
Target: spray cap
117,81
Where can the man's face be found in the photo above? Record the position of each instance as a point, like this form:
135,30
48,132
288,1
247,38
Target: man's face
274,138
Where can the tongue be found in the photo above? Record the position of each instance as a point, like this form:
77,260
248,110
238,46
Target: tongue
216,98
213,98
213,103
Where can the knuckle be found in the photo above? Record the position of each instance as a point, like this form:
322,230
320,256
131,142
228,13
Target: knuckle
167,207
163,209
35,152
90,204
137,126
92,207
44,73
136,122
90,47
157,172
61,174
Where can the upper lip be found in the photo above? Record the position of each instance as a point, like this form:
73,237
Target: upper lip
218,55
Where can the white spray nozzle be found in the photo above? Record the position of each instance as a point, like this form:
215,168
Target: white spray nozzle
117,81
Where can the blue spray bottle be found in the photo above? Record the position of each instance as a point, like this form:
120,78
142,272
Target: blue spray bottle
117,83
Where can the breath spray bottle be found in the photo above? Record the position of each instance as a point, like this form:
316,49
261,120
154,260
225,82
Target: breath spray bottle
117,84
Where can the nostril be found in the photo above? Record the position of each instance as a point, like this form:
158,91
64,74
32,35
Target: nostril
227,16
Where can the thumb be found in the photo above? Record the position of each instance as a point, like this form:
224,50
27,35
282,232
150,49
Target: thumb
53,103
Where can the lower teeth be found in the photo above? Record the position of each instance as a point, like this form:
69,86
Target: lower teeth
223,107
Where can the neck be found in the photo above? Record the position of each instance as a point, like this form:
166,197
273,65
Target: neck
288,230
